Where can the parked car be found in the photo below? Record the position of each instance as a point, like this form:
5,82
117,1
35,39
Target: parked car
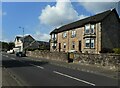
10,52
20,54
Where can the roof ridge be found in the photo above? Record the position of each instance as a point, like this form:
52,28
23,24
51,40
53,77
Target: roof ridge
91,19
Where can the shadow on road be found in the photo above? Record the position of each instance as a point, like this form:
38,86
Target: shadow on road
21,63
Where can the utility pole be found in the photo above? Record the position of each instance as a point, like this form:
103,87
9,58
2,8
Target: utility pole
23,36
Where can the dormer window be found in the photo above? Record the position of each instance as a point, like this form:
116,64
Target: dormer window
64,34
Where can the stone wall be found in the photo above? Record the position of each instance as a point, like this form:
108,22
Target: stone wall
110,61
48,55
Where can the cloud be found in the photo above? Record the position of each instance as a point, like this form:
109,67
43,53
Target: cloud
82,16
96,7
41,36
61,13
97,0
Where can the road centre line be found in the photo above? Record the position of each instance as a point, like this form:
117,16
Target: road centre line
3,55
37,66
74,78
6,56
12,58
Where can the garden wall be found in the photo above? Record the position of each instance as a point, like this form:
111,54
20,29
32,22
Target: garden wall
111,61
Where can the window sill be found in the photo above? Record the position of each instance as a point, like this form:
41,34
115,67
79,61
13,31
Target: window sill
88,48
64,37
73,36
89,33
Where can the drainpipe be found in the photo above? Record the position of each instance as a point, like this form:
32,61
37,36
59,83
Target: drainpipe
68,40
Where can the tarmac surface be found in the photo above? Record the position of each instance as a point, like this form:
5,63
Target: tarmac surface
30,71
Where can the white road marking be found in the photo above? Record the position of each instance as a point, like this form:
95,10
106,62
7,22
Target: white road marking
6,56
74,78
3,55
12,58
37,66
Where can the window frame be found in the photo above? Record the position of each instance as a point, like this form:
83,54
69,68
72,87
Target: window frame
64,45
73,33
54,36
90,29
85,29
73,45
91,44
87,39
64,35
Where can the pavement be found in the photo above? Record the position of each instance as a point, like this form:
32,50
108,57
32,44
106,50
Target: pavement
8,79
82,67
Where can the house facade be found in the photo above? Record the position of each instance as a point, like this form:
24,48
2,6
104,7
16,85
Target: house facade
89,35
28,41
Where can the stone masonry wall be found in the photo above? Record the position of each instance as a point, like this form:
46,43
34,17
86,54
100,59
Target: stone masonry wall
48,55
110,61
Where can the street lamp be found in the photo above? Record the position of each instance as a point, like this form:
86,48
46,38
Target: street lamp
23,36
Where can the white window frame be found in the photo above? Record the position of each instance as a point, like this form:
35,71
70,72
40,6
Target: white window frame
87,40
73,44
64,45
52,36
73,33
87,28
90,42
52,44
92,32
55,44
64,34
55,36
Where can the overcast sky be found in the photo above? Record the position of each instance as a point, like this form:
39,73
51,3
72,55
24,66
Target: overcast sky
40,18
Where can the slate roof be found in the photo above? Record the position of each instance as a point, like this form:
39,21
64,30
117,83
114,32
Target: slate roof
92,19
22,38
25,37
43,43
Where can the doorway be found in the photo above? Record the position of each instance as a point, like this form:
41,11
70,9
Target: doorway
59,47
80,46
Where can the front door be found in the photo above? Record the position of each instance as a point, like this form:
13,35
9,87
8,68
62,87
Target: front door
59,47
80,46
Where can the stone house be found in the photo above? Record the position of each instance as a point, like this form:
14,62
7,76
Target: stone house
92,34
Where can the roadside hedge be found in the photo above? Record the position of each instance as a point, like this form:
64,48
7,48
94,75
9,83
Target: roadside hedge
116,50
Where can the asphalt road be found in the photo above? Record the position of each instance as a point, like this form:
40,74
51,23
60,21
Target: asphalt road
42,73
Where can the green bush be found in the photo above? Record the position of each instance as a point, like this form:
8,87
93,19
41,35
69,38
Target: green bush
116,50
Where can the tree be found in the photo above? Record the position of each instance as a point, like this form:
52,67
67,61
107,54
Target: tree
11,45
5,46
